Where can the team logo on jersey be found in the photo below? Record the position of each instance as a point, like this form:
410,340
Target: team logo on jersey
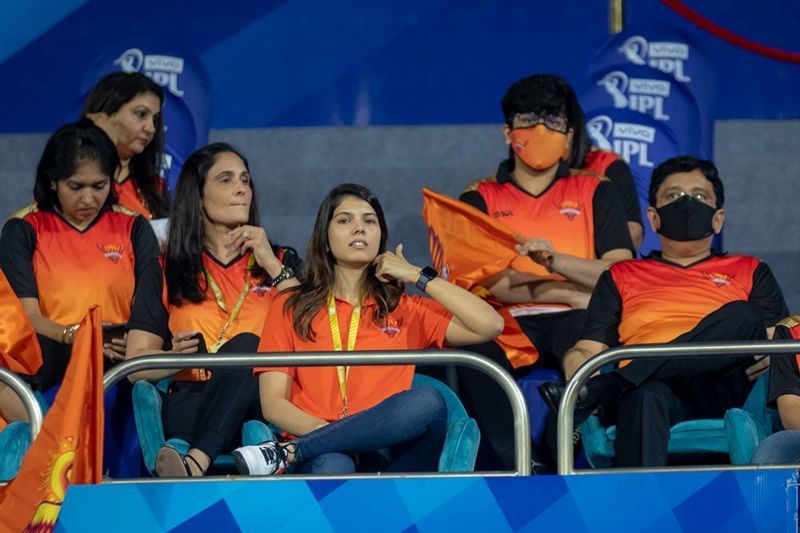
392,327
569,209
112,252
717,278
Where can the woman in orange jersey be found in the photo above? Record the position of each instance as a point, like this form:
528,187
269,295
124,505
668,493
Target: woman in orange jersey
221,274
352,298
74,249
132,102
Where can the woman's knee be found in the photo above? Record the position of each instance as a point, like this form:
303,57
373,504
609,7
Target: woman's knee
426,399
779,448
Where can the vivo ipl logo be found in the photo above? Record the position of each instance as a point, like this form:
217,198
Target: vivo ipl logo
638,94
631,141
163,70
668,57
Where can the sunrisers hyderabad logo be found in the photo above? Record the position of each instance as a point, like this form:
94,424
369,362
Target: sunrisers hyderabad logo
717,278
392,327
112,252
56,479
569,209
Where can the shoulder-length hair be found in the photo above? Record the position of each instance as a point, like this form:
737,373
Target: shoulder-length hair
183,265
318,273
70,146
108,96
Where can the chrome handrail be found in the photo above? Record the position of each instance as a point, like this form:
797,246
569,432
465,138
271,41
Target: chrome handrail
28,399
565,411
522,439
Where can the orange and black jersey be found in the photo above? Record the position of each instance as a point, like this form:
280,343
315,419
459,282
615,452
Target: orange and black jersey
69,270
652,300
580,214
615,168
784,370
152,312
129,197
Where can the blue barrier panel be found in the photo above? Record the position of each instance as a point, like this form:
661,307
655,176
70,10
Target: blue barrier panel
743,500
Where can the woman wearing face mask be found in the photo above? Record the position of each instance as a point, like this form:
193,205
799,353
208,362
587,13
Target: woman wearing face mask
572,224
352,299
130,103
73,248
221,274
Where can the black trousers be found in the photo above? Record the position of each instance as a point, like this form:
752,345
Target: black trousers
552,334
55,358
209,414
660,393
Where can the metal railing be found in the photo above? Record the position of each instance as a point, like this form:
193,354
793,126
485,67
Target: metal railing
522,439
650,351
25,394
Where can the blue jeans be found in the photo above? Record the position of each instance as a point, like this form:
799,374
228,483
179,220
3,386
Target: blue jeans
779,448
412,424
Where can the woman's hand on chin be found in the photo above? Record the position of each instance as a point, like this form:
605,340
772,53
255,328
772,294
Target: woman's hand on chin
254,238
393,266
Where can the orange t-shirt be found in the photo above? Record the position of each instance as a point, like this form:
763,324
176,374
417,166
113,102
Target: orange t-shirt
597,161
129,197
75,270
208,318
416,323
661,301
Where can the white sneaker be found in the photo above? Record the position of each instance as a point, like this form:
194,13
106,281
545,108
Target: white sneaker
265,459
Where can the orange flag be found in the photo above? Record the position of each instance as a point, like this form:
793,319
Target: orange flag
467,247
69,449
19,349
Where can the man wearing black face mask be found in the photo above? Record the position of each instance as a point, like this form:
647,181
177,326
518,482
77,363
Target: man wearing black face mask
686,293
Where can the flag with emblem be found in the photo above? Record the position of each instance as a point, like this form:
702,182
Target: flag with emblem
69,449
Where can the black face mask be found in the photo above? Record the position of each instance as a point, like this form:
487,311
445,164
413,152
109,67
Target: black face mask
686,219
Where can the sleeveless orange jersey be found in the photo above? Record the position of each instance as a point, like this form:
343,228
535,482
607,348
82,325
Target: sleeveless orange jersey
647,287
208,318
19,349
598,161
75,270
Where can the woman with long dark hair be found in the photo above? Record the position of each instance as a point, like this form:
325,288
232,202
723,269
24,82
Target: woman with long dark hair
351,298
73,248
221,274
130,104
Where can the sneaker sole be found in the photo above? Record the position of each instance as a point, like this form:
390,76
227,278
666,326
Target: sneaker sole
240,462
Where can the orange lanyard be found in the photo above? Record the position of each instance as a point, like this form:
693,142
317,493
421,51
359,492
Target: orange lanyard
342,372
237,307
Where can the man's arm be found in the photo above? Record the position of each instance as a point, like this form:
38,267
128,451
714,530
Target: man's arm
512,287
583,350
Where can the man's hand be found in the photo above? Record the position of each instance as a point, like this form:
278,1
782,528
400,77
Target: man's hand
755,370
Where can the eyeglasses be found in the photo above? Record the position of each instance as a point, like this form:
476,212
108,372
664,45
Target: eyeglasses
529,120
671,196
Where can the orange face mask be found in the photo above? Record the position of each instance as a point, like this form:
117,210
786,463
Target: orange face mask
538,147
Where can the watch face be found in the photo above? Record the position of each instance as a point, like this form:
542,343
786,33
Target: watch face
429,272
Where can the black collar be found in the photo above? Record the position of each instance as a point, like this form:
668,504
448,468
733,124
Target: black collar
655,255
504,169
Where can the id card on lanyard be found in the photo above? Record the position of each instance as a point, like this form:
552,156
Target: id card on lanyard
342,372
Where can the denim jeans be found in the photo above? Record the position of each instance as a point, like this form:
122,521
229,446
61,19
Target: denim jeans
779,448
412,424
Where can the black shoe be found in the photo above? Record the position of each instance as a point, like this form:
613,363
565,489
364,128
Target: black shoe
551,393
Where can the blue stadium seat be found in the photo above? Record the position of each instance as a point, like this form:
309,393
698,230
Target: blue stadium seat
147,412
461,442
15,439
737,434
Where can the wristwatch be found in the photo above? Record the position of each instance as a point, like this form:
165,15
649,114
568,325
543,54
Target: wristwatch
425,276
285,273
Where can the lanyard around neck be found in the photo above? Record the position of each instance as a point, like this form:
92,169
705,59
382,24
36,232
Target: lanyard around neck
343,371
220,299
